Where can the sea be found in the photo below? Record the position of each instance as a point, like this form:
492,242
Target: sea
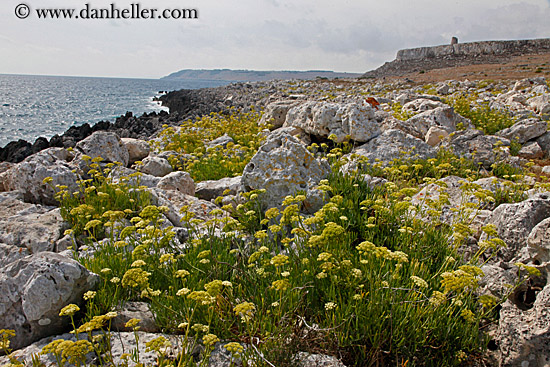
32,106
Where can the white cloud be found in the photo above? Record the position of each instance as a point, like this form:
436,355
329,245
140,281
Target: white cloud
344,35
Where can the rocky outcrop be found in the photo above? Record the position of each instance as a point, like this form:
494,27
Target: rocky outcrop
437,57
351,121
283,166
28,176
34,289
392,144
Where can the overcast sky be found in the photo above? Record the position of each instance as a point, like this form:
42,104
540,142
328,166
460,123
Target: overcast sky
340,35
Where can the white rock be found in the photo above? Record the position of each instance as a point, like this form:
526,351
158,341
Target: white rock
275,112
393,144
442,117
531,150
523,335
540,104
137,149
341,119
105,145
524,130
179,181
282,166
435,135
156,166
514,223
473,144
422,104
27,177
35,288
209,190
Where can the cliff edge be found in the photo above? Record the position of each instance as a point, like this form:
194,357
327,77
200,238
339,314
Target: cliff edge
458,54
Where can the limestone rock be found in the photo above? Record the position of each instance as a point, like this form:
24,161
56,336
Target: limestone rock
393,144
422,104
514,223
34,231
105,145
473,144
220,142
540,104
34,289
539,242
524,336
209,190
275,113
435,135
27,177
322,119
531,150
442,117
123,342
133,177
282,166
179,181
135,310
524,130
137,149
175,200
155,166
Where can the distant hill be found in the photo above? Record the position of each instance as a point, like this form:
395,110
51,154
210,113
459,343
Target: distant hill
254,76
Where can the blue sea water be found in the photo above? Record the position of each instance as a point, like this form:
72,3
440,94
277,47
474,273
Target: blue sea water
32,106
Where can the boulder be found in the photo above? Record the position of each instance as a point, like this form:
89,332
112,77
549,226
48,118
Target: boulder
103,144
176,200
34,289
392,144
322,119
523,336
538,242
133,177
514,223
35,232
28,176
524,130
434,135
473,144
137,149
121,343
135,310
422,104
179,181
283,166
540,104
155,166
275,113
209,190
220,142
531,150
442,117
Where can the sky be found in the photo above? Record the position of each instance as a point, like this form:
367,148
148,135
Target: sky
340,35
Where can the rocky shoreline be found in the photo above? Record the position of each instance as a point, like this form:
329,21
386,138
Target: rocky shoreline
383,122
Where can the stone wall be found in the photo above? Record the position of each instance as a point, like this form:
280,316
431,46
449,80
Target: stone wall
504,48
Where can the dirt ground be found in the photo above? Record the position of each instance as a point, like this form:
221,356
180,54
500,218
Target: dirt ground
518,67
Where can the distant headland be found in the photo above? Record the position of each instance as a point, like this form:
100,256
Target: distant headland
255,75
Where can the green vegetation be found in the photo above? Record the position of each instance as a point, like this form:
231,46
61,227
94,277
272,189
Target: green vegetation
370,277
363,278
489,120
190,140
